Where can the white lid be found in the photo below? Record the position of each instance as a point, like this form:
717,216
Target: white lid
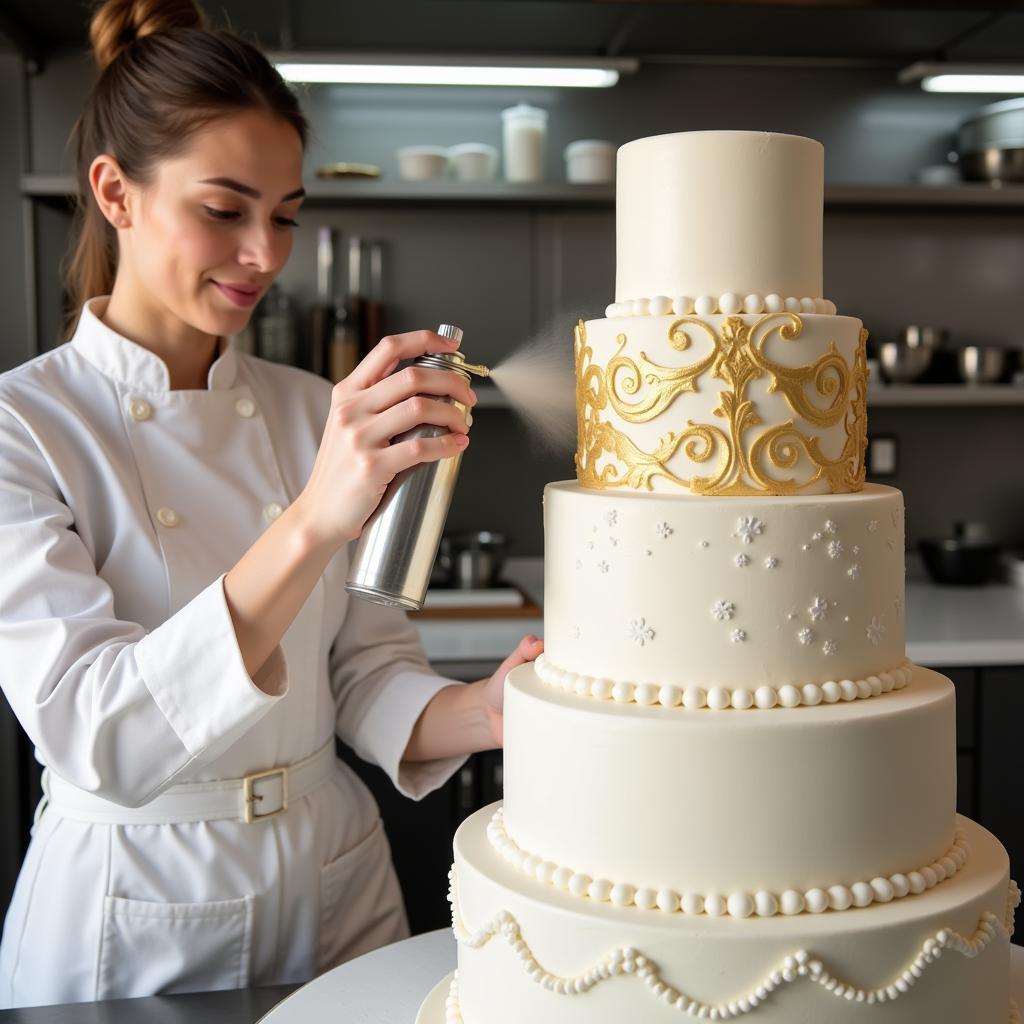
525,110
590,147
472,147
422,151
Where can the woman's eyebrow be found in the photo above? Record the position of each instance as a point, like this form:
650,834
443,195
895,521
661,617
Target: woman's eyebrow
248,190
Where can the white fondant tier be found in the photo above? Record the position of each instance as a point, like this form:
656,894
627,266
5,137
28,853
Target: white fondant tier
705,213
695,592
755,403
717,804
536,953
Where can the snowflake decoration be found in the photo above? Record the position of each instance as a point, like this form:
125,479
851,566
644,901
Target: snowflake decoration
576,632
603,566
895,519
648,552
742,560
579,563
855,549
771,562
791,616
835,548
611,517
805,547
891,543
590,545
614,541
875,630
640,632
829,647
818,609
805,636
898,605
873,526
594,529
663,530
703,544
747,528
722,610
853,572
737,636
830,526
816,535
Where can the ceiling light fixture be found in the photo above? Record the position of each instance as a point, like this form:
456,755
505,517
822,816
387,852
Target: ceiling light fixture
474,71
965,78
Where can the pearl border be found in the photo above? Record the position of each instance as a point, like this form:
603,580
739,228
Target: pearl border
719,698
737,904
801,964
728,304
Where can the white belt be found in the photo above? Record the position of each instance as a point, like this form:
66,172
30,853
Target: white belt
257,797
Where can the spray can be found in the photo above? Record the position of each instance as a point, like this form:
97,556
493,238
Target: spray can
398,545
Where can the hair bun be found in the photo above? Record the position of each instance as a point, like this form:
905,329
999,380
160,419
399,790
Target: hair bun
118,23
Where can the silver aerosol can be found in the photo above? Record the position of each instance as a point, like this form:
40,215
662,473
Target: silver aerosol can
396,551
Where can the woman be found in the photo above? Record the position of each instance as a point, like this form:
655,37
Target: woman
175,634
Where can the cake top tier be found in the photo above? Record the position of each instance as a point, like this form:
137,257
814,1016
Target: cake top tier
716,212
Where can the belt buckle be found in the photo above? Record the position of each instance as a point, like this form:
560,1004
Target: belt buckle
252,797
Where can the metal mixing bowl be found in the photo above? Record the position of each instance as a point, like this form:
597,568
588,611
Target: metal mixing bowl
981,364
994,163
902,364
918,336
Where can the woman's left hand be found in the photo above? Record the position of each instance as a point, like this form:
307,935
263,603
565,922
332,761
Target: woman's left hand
494,687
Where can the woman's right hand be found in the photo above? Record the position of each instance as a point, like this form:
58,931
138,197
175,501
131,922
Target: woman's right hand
373,404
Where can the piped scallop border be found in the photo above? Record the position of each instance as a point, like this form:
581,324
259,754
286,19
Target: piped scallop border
800,965
729,304
721,698
736,904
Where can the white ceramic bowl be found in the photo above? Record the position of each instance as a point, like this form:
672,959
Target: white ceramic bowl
474,161
590,161
422,163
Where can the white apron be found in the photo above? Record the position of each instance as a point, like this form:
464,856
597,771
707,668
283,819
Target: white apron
122,505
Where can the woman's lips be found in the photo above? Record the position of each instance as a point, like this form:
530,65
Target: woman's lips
240,295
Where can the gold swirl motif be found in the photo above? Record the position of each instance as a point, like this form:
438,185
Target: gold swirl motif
737,358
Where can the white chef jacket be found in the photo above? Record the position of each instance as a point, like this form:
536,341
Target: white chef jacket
122,506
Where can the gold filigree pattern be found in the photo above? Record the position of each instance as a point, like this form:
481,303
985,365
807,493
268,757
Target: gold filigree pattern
741,460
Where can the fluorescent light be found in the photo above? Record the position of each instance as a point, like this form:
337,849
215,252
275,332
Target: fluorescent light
567,73
966,78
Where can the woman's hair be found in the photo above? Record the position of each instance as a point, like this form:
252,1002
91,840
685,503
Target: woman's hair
163,76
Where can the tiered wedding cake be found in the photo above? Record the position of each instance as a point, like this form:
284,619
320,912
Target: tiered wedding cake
726,790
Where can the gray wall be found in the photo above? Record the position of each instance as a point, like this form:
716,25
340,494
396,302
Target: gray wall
508,273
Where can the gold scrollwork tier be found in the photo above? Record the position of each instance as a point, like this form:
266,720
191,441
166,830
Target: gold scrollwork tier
737,453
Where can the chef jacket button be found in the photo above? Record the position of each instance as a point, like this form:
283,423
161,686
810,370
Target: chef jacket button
272,511
168,517
140,409
245,407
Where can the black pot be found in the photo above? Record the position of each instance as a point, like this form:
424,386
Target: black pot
961,562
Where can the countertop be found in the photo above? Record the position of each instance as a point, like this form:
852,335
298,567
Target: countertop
946,625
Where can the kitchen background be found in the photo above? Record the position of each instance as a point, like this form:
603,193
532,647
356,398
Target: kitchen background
515,262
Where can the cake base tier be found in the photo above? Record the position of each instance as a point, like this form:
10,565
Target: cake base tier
532,952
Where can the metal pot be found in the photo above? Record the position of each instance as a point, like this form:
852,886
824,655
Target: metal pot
919,336
474,560
981,364
901,363
965,559
991,143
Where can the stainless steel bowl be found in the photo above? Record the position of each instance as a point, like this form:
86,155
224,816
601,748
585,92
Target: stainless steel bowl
991,142
902,364
918,336
981,364
994,164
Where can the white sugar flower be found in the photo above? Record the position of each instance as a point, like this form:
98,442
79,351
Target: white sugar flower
875,630
872,526
614,541
747,528
603,566
830,526
853,572
742,560
835,548
805,636
771,562
737,636
816,535
640,632
723,610
579,563
611,517
576,632
829,647
818,609
663,530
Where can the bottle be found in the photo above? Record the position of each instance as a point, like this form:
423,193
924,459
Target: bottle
396,550
524,132
346,340
275,327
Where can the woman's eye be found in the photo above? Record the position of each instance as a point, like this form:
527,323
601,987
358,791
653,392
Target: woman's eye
221,214
287,222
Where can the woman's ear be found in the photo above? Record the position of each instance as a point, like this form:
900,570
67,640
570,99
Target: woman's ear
111,190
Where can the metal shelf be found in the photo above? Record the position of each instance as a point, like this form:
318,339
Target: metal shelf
906,395
363,191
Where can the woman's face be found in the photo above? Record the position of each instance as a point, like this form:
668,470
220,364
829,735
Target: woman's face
214,225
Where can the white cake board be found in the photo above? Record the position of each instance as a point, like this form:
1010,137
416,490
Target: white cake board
388,986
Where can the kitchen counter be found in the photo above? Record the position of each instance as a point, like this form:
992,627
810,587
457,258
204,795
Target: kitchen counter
946,625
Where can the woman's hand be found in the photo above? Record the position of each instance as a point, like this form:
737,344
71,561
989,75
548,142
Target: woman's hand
493,689
372,405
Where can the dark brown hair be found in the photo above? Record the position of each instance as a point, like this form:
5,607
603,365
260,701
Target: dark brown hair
163,76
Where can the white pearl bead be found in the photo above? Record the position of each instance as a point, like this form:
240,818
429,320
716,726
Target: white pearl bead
582,685
622,894
900,885
886,679
931,879
820,306
729,303
705,305
718,698
917,882
561,877
830,307
811,694
774,303
876,685
660,305
646,899
849,689
808,306
792,305
646,693
817,900
742,699
579,884
546,872
670,696
840,898
692,903
601,688
753,304
600,890
863,894
863,689
611,310
668,901
765,697
740,904
883,890
789,696
766,904
641,307
792,902
622,692
682,305
715,904
831,692
694,697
